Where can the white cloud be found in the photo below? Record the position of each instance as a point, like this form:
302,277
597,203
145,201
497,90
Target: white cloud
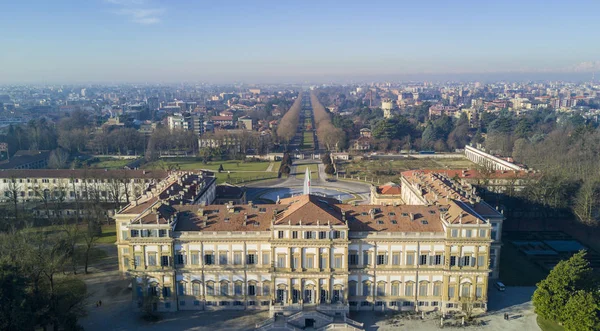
138,11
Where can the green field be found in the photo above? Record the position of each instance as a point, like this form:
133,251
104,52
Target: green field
241,177
196,164
389,170
301,170
546,325
308,140
110,163
234,172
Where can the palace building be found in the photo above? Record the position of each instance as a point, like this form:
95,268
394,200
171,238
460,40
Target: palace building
307,252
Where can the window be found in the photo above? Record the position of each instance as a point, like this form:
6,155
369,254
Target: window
237,288
295,264
309,235
195,259
381,289
423,289
210,288
367,258
437,259
381,259
322,235
281,261
124,235
392,213
310,262
468,233
251,259
352,288
237,258
323,262
135,233
224,287
165,261
196,303
366,289
394,222
481,260
482,233
410,259
181,288
167,305
251,290
151,259
294,234
196,289
380,222
393,303
337,234
280,234
437,288
408,289
223,258
353,258
395,289
466,261
166,292
182,302
137,260
396,258
266,289
179,258
452,261
466,290
337,262
479,291
209,259
126,262
423,259
451,291
454,233
265,258
162,233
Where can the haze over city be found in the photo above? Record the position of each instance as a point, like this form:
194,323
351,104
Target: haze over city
276,41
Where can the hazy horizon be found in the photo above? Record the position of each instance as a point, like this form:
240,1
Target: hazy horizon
109,41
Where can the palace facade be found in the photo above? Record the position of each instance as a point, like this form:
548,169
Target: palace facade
306,251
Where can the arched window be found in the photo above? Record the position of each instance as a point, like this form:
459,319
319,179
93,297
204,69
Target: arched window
381,288
196,288
224,288
252,288
352,288
266,288
181,288
437,289
423,289
409,289
237,288
153,289
367,290
465,291
210,288
395,288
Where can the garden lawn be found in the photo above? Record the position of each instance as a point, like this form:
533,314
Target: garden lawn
301,170
547,325
196,164
110,163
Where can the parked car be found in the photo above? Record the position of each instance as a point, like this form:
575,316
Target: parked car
500,286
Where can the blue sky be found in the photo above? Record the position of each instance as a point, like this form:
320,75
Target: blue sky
184,40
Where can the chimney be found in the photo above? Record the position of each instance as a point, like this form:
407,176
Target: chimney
411,216
204,223
245,219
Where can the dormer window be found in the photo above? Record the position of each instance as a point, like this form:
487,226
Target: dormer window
392,213
404,214
380,222
432,212
226,219
424,222
364,213
262,210
394,222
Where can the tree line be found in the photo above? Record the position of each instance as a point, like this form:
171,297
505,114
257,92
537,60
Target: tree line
288,126
328,134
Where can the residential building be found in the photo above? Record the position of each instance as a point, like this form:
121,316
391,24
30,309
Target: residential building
387,194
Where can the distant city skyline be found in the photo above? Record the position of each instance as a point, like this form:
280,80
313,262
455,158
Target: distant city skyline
64,41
